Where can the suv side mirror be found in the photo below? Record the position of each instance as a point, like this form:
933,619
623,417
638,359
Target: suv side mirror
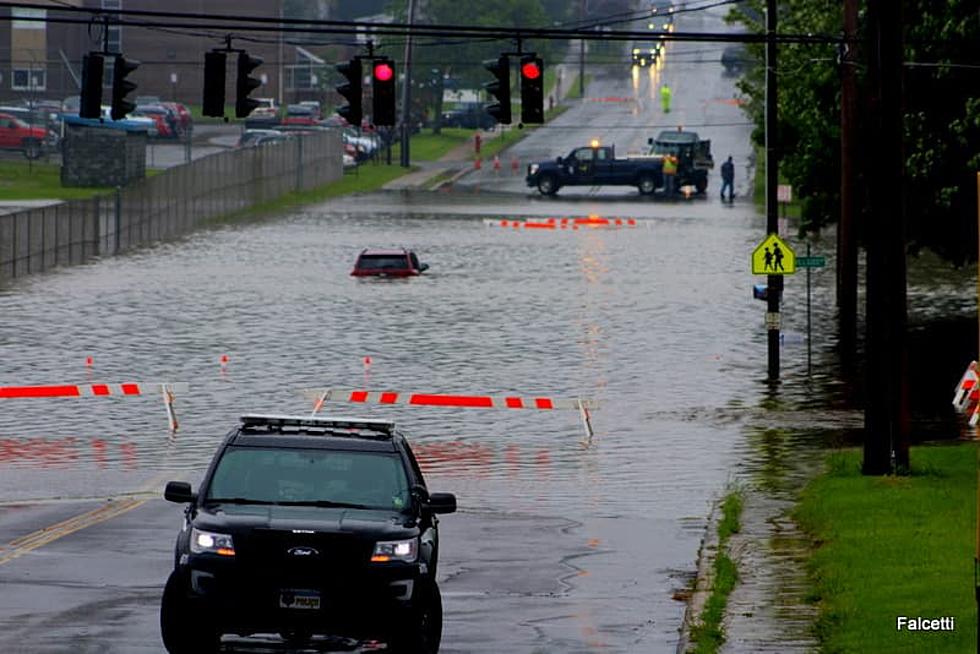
650,141
179,492
423,267
442,503
558,160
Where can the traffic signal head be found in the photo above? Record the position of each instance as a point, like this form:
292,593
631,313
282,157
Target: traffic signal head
90,105
351,91
532,89
244,84
499,88
121,87
383,79
214,84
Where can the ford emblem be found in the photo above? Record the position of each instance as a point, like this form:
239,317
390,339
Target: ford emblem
303,551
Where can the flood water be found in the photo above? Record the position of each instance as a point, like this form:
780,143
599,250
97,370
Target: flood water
656,323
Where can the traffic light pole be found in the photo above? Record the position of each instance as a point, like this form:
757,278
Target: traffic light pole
775,286
407,90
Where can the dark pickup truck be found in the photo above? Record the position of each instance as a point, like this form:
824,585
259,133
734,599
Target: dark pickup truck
693,157
596,166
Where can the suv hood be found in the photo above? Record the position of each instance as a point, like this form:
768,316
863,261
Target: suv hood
376,524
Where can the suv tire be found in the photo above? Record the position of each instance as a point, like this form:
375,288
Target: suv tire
32,148
182,631
421,632
547,185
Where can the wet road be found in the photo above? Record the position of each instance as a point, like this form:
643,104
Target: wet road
561,545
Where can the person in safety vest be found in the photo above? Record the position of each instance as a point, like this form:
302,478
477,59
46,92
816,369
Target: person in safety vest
670,175
665,94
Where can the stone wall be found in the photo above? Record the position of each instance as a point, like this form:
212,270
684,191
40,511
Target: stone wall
97,156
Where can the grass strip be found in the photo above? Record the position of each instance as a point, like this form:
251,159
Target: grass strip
885,547
23,180
366,178
707,634
431,147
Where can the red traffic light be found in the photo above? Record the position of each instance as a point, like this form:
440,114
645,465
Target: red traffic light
530,70
383,72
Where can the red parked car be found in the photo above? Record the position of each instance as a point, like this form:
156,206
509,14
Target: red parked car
15,134
388,263
184,119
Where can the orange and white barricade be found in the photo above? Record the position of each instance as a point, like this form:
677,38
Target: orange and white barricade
543,403
966,398
89,390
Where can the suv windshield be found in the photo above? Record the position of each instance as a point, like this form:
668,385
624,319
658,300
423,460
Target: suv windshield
382,262
310,476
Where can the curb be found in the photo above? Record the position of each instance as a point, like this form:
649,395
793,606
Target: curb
703,580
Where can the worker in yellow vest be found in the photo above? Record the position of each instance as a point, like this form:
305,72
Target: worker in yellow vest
665,94
670,175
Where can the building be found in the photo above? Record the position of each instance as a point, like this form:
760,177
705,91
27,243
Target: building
41,57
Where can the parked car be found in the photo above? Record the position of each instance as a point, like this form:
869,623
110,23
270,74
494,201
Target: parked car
166,124
470,116
315,106
147,99
251,137
298,114
388,263
130,123
15,134
263,116
185,120
307,526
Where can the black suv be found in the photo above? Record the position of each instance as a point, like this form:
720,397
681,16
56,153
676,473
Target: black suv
303,526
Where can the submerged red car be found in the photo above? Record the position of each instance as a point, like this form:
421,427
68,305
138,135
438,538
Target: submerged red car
388,263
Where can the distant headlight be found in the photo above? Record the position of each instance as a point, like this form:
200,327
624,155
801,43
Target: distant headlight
209,541
533,169
396,550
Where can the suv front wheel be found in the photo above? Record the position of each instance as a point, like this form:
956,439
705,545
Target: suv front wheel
421,631
183,631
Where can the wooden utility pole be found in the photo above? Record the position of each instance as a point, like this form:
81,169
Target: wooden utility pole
886,417
406,131
847,243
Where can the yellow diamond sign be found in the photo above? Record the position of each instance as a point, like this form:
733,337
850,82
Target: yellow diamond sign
773,257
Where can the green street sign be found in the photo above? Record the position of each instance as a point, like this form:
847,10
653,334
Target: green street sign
811,262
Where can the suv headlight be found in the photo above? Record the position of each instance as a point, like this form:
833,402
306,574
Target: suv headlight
396,550
209,541
534,169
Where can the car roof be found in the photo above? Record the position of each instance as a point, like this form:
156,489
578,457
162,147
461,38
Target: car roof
383,253
321,432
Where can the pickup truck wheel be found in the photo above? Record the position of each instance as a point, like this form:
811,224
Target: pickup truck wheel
646,185
547,185
32,148
701,185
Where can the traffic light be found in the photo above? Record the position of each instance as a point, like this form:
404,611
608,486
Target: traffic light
90,105
383,79
214,84
244,85
499,88
351,91
532,89
121,87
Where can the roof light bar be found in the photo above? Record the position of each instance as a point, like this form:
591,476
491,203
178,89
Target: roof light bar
317,422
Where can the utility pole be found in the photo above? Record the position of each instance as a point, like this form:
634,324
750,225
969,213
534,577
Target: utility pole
581,53
775,285
886,417
282,13
407,90
847,250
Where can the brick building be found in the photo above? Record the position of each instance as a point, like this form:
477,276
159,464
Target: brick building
42,59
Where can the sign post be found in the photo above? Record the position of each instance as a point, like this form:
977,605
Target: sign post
774,258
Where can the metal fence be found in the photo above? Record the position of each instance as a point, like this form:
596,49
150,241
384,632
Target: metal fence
166,205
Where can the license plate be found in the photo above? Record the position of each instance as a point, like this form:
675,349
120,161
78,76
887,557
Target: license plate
299,599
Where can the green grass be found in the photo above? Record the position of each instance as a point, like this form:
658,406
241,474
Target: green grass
39,181
891,546
574,93
431,147
707,634
198,117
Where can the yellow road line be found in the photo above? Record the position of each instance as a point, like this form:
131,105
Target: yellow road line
29,542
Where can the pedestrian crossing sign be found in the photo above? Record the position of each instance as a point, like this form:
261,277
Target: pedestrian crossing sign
773,257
